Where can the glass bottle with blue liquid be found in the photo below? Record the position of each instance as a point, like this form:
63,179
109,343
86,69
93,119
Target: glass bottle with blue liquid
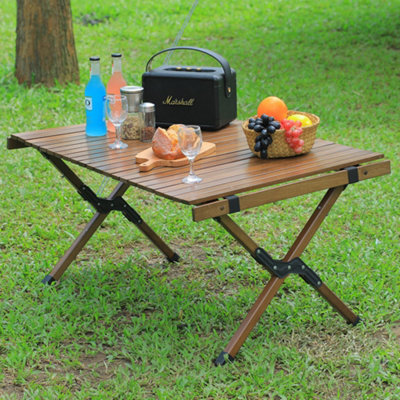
95,93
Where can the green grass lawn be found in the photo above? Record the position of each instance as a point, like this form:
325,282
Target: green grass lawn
125,324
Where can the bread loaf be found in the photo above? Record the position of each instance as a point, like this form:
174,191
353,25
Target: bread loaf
165,143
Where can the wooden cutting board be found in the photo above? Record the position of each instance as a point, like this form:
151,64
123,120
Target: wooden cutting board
147,160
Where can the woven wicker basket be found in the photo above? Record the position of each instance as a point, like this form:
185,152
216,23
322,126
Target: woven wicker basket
279,148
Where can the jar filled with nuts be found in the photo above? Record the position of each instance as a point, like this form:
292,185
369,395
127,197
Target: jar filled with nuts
131,127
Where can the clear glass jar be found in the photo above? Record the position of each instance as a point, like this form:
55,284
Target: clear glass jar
131,127
148,121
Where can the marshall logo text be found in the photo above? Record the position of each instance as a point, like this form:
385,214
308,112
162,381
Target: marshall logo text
178,102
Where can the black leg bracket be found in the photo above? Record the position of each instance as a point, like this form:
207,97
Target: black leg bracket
105,206
233,203
282,268
352,173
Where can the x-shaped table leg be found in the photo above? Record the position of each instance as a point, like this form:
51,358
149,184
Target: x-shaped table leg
280,270
103,207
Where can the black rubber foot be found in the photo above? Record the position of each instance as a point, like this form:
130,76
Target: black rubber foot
48,280
223,358
174,258
358,319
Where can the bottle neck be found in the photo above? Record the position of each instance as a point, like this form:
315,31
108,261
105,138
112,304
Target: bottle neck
117,65
95,68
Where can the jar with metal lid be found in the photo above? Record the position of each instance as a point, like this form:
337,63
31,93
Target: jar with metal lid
131,127
148,118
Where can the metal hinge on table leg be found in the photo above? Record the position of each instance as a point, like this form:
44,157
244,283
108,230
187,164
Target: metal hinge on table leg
282,268
105,206
101,205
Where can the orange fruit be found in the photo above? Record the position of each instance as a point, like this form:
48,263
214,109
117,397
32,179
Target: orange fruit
274,107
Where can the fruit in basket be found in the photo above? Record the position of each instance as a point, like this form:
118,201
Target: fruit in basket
273,107
289,138
305,121
165,143
293,132
266,126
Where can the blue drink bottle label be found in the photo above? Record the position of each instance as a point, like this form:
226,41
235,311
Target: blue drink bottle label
88,103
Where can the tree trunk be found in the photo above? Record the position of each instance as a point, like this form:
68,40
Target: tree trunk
45,47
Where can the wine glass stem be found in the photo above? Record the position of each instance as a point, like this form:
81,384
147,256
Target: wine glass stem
191,172
118,132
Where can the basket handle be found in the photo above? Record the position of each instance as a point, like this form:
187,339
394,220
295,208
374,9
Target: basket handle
224,64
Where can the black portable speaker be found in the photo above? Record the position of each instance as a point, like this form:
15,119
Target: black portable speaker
197,95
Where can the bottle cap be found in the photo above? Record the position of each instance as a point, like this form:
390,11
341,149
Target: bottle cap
134,94
147,107
116,55
94,58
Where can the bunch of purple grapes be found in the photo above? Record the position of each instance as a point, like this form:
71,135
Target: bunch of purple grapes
266,126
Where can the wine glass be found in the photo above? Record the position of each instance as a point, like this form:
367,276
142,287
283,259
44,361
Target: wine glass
117,111
190,141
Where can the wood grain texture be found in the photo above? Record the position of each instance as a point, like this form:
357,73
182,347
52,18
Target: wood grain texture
231,169
289,190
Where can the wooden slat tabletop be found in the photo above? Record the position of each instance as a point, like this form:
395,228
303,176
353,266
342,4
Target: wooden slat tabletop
231,170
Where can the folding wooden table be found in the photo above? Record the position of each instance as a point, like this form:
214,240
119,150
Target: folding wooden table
233,180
